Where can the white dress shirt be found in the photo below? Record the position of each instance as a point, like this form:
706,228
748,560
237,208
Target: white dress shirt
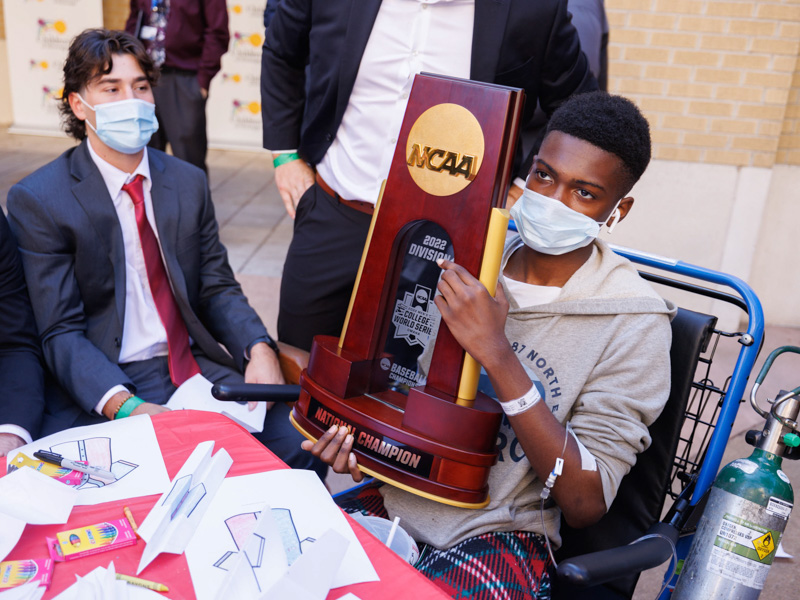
408,37
143,334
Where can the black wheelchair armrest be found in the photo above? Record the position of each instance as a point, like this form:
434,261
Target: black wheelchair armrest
607,565
258,392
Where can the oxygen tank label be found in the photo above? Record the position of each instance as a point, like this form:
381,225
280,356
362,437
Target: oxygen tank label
738,569
743,551
779,508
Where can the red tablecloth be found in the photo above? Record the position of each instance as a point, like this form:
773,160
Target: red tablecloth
178,433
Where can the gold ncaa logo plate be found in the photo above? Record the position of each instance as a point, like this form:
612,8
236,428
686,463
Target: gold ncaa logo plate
445,149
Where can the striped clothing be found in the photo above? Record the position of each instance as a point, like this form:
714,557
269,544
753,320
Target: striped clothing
494,566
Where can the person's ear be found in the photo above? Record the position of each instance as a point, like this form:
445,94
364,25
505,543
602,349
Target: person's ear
625,207
619,213
78,107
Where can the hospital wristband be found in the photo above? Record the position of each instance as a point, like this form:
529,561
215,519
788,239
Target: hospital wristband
520,405
127,407
282,159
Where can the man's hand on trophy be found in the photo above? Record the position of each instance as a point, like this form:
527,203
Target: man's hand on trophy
335,448
475,318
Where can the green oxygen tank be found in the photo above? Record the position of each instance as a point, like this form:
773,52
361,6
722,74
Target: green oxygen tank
747,510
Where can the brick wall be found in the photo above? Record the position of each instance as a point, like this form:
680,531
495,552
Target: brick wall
789,146
719,80
715,78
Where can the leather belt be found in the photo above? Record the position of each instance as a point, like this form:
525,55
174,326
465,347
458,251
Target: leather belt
365,207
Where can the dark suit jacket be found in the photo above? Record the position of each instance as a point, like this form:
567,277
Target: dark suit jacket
71,245
21,380
528,44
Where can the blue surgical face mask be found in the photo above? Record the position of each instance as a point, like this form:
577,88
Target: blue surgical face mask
125,125
549,226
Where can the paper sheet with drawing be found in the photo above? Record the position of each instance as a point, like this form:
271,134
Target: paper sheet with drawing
303,509
195,394
128,448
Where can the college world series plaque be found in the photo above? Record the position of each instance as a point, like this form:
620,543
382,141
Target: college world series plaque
396,377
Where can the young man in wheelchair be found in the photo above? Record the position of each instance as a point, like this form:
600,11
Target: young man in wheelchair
575,347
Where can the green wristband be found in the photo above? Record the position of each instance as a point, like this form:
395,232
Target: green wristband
284,158
130,405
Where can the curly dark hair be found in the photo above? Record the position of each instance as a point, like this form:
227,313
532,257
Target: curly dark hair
612,123
91,56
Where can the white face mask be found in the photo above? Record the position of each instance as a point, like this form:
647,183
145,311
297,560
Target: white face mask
549,226
124,125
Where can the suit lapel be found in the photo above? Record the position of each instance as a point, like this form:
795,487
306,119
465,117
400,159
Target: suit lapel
487,37
166,208
92,194
359,26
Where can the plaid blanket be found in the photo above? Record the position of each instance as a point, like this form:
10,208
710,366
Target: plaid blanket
494,566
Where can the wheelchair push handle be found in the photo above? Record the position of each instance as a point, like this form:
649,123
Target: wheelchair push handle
255,392
647,552
763,374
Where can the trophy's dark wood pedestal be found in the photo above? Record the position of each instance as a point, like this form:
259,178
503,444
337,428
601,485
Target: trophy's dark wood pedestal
451,168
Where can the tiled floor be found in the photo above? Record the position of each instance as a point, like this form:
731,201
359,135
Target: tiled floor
256,230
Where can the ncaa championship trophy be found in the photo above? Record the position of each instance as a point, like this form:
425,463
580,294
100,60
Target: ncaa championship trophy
425,429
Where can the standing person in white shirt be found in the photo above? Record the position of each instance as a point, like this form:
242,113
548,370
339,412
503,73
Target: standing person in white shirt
333,135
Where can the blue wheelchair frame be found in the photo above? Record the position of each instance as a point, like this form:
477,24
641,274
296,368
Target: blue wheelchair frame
751,340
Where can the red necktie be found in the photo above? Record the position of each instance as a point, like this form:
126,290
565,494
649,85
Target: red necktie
182,364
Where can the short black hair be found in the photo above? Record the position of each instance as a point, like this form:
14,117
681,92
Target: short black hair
612,123
90,57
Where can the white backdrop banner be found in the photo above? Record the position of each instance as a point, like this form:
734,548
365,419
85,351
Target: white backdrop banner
38,34
234,100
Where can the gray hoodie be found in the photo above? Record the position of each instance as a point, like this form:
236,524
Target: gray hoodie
599,355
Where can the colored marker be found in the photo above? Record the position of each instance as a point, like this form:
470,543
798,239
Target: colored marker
57,459
150,585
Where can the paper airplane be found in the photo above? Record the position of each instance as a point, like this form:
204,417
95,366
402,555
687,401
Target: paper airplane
260,570
175,517
310,577
260,562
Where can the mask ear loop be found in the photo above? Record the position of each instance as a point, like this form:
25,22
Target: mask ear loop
615,215
85,102
86,121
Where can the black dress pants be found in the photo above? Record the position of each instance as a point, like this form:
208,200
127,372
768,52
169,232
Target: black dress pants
181,114
320,269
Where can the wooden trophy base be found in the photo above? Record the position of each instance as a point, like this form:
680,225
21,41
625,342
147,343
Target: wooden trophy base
424,443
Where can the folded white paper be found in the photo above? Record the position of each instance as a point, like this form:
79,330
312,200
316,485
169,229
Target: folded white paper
311,576
174,519
102,584
259,563
10,532
28,495
195,394
29,591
